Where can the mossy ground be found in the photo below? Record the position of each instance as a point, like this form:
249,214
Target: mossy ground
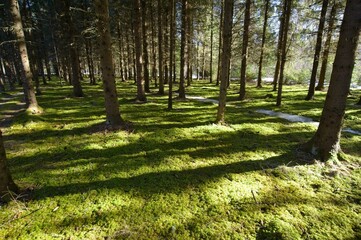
177,175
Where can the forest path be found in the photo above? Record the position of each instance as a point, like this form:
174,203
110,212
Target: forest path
286,116
11,109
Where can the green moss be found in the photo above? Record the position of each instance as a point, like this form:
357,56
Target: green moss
178,175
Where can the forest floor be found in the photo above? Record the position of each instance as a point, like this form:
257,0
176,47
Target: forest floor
178,175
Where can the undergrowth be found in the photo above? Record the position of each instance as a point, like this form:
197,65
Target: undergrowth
178,175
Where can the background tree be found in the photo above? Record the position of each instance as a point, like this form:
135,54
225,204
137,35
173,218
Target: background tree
247,20
226,56
326,141
316,58
30,98
106,60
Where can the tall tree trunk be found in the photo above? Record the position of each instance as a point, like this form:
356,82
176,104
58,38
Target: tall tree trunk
247,20
31,101
211,47
171,55
326,141
226,56
183,51
106,60
154,36
287,10
316,58
279,49
260,64
139,51
326,49
220,42
166,42
145,47
121,54
160,49
6,182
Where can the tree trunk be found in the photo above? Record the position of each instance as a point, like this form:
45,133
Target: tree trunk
259,78
139,52
160,49
326,142
145,47
287,10
220,42
326,49
279,49
316,58
154,36
171,55
106,60
211,47
6,182
31,101
247,20
183,51
226,56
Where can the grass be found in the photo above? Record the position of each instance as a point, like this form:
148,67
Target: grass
177,175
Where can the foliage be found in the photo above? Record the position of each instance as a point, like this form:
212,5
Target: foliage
177,175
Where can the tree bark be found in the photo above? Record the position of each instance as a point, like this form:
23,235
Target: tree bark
326,142
259,78
106,60
171,55
326,49
160,49
247,20
220,42
316,58
225,58
145,47
6,182
139,52
31,101
211,47
287,10
183,51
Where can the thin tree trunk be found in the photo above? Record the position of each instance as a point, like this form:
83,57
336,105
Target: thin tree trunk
171,50
145,47
211,47
279,50
326,141
247,20
183,51
326,49
106,60
160,49
31,101
154,55
226,56
139,51
260,64
287,10
316,58
220,43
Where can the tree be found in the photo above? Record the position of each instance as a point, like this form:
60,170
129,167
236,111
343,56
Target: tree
30,98
326,141
6,182
316,58
225,58
287,15
69,28
259,78
326,49
139,51
114,119
183,50
160,49
247,21
171,55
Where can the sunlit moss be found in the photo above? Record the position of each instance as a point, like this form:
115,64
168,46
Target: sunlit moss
177,175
